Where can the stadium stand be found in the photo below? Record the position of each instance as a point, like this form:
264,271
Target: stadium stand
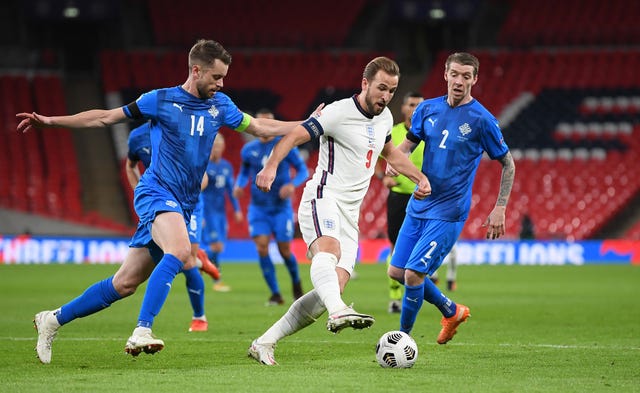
39,170
570,23
277,24
561,77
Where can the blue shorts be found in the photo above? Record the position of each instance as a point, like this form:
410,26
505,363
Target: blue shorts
215,228
194,228
276,221
149,202
423,244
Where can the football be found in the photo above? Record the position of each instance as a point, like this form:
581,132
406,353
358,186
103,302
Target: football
396,349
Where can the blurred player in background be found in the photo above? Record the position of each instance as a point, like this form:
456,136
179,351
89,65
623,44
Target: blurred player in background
353,132
220,187
139,143
271,213
186,120
456,130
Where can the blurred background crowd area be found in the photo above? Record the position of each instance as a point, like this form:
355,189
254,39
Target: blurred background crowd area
561,76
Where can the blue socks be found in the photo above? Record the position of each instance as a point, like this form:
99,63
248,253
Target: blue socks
434,296
269,273
158,289
95,298
292,266
213,256
411,304
195,288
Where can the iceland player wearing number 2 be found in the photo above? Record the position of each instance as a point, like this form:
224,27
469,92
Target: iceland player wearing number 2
456,130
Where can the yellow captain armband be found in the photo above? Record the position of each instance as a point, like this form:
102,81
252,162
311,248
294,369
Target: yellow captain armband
246,119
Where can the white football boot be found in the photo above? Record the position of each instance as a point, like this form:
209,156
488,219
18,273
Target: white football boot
47,327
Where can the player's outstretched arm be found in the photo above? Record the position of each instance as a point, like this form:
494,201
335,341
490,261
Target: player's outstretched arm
94,118
265,127
495,223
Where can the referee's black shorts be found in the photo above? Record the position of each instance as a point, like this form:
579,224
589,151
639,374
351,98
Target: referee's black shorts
396,210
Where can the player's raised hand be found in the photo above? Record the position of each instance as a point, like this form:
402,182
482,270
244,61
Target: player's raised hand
265,178
30,120
318,110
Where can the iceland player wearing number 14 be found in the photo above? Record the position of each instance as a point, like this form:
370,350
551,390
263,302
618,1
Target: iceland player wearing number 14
185,121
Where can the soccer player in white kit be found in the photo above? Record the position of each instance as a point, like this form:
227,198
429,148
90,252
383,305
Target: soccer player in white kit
353,132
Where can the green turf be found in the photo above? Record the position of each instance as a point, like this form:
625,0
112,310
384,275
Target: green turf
533,329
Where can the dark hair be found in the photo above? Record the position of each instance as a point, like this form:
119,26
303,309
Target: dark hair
463,58
380,63
204,52
411,94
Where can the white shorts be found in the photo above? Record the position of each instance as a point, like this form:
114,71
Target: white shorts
326,217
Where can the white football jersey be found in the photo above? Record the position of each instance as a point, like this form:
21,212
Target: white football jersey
350,142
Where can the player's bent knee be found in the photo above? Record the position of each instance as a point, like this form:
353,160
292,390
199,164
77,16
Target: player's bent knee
125,287
396,274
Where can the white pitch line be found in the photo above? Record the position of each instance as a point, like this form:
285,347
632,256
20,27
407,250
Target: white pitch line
458,344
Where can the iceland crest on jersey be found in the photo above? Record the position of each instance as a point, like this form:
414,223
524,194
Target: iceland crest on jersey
213,111
465,129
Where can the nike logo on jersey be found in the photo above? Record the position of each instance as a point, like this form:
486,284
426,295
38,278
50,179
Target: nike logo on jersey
178,106
432,121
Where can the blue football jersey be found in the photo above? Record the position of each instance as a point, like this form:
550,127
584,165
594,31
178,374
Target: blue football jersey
455,139
139,144
220,183
183,128
254,155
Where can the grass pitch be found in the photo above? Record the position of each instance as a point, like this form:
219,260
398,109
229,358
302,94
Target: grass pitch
532,329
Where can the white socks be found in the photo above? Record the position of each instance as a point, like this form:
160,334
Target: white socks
325,281
302,313
140,331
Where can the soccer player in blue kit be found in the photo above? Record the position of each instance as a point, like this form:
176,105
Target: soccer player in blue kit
185,120
139,143
216,227
271,212
456,130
